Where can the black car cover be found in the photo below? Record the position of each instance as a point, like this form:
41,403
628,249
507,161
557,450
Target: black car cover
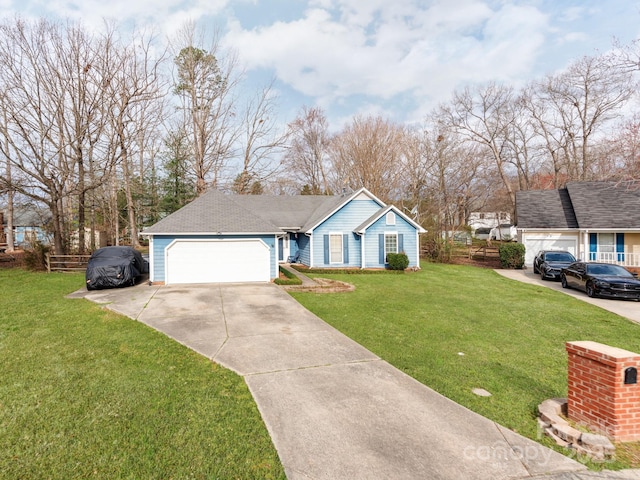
112,267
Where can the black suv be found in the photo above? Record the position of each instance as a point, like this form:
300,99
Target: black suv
549,263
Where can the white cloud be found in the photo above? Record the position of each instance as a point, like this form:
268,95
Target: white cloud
164,15
398,57
340,49
575,13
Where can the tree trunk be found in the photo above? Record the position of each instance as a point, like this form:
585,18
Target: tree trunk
133,229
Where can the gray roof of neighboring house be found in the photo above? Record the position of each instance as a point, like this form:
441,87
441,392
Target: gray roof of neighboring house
27,216
605,204
216,212
580,205
545,209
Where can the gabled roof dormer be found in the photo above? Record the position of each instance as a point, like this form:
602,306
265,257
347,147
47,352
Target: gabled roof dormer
383,212
320,216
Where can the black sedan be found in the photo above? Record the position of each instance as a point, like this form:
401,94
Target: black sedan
549,263
601,279
112,267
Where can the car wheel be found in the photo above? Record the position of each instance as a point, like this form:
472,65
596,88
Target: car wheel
535,269
590,290
563,281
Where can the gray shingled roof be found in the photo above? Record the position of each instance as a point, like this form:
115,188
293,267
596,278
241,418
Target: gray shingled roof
27,216
580,205
545,209
605,204
372,219
215,212
291,212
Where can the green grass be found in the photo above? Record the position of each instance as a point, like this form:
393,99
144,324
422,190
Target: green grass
88,393
455,328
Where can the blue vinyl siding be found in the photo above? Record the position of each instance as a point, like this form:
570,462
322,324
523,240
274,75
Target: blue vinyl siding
344,221
161,242
293,246
407,238
26,235
303,246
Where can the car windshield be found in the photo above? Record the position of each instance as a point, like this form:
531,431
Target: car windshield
559,257
608,270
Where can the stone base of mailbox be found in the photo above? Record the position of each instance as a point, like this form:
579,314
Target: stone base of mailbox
598,397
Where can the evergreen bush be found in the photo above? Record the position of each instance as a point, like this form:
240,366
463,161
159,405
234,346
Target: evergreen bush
397,261
511,255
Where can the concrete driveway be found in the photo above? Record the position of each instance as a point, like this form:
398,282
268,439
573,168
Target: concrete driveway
626,308
333,409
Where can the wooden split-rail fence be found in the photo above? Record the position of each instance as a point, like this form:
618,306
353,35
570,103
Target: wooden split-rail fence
66,263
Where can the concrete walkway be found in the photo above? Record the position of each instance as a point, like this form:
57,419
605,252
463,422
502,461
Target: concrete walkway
306,281
333,409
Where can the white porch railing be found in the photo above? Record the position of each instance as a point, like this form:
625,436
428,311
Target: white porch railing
624,259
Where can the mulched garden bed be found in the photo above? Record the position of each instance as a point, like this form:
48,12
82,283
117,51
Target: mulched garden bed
12,260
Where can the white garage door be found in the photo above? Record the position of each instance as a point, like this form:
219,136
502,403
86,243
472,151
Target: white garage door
217,261
534,244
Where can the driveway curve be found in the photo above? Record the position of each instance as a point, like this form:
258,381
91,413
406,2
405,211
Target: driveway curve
333,409
625,308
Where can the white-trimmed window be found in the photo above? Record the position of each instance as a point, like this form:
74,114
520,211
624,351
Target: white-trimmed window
391,218
606,242
390,243
335,248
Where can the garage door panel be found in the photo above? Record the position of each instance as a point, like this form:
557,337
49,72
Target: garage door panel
218,261
534,244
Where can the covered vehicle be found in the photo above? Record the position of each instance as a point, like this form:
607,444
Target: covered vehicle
113,267
549,263
601,279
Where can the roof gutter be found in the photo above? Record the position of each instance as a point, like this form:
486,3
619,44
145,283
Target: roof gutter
211,233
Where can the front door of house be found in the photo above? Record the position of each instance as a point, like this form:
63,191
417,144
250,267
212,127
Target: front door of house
283,248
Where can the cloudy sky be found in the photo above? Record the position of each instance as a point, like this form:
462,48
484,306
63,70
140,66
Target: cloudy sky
396,58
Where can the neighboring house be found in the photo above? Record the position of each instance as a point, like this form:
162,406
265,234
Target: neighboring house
494,225
504,231
595,221
482,233
487,219
28,226
221,238
100,239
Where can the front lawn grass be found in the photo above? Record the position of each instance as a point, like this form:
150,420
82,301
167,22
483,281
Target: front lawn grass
88,393
456,328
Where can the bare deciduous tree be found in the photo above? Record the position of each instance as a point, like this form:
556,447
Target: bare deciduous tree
572,108
306,158
484,116
50,94
367,153
136,90
205,83
262,143
623,151
6,185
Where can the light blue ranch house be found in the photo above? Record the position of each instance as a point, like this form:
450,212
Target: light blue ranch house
223,238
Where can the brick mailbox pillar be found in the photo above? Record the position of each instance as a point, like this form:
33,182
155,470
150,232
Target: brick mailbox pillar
603,391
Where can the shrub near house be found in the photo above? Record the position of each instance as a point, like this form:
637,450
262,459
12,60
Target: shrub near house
397,261
512,255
